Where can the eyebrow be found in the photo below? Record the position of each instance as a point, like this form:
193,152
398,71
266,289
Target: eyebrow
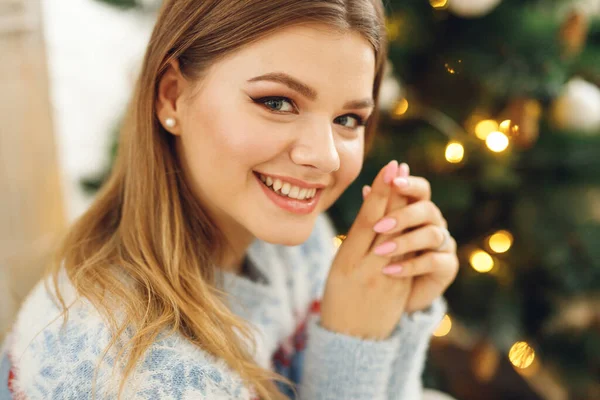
306,90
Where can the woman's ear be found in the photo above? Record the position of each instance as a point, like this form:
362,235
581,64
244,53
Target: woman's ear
169,98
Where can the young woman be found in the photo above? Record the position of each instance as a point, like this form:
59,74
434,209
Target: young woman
206,269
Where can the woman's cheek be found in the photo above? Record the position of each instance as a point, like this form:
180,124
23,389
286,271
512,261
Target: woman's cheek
351,157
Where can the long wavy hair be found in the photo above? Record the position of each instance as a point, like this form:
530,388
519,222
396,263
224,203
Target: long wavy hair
145,223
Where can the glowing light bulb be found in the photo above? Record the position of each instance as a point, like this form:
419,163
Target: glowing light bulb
455,152
444,327
401,107
485,127
338,240
500,242
497,141
504,126
439,4
481,261
521,355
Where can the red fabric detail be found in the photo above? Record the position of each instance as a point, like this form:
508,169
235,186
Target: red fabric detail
11,378
315,307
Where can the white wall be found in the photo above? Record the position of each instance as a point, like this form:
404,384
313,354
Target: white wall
93,54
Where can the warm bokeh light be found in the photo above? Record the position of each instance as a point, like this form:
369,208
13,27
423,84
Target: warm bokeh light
449,68
497,141
438,3
444,327
504,126
337,241
401,107
485,127
455,152
481,261
500,242
521,355
531,370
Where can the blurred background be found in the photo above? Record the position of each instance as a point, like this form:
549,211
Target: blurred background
496,102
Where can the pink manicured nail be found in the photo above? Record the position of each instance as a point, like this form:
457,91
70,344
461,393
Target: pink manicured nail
392,269
390,171
385,248
384,225
404,170
401,182
366,190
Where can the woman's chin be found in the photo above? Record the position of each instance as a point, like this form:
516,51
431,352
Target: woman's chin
286,235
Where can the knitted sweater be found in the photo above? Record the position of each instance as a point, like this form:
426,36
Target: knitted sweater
41,361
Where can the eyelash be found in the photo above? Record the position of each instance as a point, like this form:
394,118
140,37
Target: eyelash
359,120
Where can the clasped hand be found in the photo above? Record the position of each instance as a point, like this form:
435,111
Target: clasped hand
398,257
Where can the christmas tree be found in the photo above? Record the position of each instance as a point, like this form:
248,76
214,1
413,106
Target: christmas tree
497,104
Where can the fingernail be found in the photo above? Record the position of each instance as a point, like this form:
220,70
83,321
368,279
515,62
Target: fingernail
401,182
404,169
390,171
384,225
366,190
384,248
392,269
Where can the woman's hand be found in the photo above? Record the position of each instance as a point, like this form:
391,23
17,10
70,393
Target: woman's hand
359,300
421,232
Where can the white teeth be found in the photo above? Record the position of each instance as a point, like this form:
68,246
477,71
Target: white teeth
294,192
284,188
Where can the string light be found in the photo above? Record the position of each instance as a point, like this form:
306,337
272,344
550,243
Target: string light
521,355
401,107
485,127
481,261
455,152
504,126
500,242
444,327
338,240
497,141
439,4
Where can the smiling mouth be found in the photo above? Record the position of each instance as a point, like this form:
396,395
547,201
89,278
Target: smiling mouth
286,190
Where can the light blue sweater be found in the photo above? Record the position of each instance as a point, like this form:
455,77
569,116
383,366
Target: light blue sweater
279,297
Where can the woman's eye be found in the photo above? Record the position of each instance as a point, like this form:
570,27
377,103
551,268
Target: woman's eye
279,104
351,121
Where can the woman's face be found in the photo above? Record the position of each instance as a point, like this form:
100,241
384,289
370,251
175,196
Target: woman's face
290,106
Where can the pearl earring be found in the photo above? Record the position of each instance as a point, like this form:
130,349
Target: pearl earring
170,122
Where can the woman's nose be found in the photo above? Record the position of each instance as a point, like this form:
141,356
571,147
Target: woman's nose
316,147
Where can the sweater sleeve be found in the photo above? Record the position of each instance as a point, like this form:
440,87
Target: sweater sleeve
340,366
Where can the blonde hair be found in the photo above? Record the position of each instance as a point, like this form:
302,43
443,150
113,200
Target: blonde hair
146,224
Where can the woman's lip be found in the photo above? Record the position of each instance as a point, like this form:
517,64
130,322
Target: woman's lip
289,204
293,181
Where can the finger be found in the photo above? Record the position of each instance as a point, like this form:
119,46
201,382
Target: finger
366,190
395,202
413,186
443,266
428,237
361,233
413,215
403,171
